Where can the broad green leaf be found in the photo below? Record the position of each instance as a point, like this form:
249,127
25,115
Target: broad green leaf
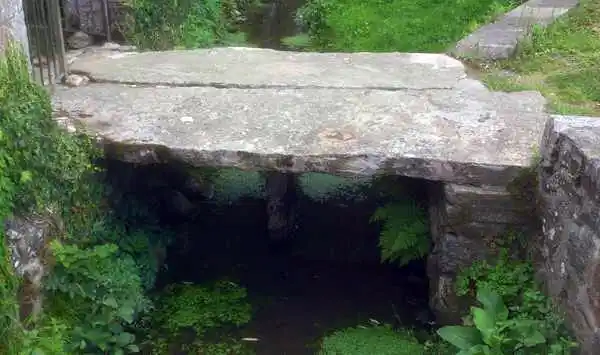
492,302
533,339
484,321
461,337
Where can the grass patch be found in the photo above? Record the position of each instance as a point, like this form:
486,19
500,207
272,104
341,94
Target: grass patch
395,25
561,61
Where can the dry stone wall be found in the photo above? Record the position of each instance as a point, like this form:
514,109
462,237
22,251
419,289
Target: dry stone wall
467,224
569,252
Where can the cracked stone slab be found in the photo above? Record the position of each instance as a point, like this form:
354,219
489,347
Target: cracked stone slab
467,135
254,67
499,40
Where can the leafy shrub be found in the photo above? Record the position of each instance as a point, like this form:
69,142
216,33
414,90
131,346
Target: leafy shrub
495,331
516,317
405,233
168,24
380,340
40,170
106,291
99,269
394,25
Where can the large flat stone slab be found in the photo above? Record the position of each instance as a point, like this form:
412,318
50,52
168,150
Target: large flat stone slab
499,40
465,135
238,67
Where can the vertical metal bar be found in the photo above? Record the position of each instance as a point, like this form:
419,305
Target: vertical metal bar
35,16
50,16
61,44
106,20
58,46
47,39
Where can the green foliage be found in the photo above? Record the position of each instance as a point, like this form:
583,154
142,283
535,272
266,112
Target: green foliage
394,25
203,307
380,340
516,317
405,233
106,290
497,332
40,170
509,278
99,267
160,25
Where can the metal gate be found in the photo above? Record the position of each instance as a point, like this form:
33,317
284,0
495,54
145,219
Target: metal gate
46,43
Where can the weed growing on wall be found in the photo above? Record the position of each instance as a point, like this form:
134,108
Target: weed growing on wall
514,317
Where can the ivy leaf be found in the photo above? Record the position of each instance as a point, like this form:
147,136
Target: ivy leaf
462,337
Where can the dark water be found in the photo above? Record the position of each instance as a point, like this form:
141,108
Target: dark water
275,20
327,279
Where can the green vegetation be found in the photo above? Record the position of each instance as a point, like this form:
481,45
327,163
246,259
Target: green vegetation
515,317
160,25
560,61
199,309
367,340
394,25
41,171
405,233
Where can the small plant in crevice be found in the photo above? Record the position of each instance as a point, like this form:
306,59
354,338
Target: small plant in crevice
201,310
515,317
405,232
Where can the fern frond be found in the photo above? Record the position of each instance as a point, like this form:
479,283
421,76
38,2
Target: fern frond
405,232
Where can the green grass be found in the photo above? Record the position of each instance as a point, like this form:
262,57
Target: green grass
561,61
395,25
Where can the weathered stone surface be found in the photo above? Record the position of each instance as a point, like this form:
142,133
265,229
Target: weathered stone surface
240,67
26,240
427,120
79,40
464,230
569,252
12,25
499,40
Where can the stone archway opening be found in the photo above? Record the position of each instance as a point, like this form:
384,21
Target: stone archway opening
326,274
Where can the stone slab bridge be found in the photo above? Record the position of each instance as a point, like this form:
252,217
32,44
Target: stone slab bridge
416,115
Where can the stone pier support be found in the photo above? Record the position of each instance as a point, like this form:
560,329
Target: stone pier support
467,224
281,205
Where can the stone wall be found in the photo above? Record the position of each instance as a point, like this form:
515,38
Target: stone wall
12,24
569,251
467,224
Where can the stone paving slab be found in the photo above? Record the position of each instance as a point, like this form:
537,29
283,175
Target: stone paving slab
467,135
499,40
252,67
